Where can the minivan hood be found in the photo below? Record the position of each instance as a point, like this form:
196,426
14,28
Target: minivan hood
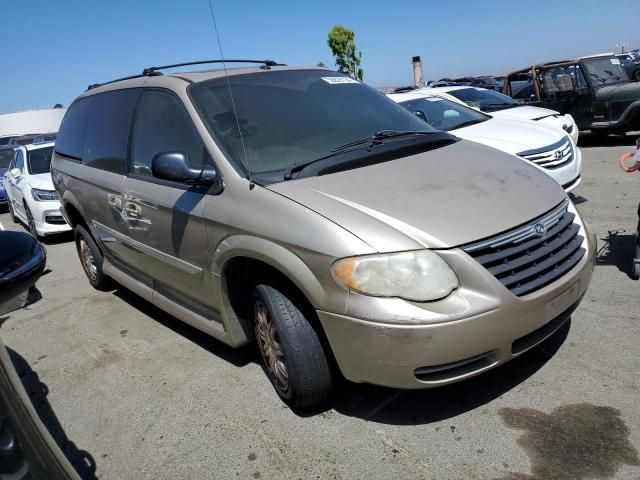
510,135
42,181
437,199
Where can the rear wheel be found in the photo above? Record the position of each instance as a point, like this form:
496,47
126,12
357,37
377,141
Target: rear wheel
91,259
291,349
636,75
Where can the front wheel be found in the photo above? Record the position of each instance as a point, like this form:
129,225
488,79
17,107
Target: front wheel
291,350
636,75
31,223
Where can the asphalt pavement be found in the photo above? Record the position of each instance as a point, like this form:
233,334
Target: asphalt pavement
133,393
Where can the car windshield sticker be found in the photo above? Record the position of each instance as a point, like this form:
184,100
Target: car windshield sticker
339,80
615,61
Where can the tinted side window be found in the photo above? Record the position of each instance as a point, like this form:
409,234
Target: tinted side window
163,125
71,134
107,132
19,161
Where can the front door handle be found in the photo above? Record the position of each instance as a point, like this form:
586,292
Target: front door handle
115,202
132,210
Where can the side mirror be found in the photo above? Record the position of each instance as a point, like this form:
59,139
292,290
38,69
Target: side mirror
15,173
174,166
421,115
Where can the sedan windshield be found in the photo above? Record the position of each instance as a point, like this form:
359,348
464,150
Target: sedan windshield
40,160
292,117
485,100
605,70
444,114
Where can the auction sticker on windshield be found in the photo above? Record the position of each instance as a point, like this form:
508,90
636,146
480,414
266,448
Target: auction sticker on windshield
338,80
615,61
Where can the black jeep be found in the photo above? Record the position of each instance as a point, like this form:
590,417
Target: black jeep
596,91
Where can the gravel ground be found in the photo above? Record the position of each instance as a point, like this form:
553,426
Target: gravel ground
138,394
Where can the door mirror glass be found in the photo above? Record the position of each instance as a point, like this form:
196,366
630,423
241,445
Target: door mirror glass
175,167
15,173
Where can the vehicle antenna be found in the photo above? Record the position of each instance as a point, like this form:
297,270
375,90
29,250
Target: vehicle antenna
233,105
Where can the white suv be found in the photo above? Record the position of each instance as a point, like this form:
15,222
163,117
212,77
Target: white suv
29,188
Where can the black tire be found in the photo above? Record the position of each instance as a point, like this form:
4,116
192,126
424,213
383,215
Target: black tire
635,271
91,259
306,367
636,75
31,224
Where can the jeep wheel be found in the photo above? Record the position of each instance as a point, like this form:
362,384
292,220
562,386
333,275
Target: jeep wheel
636,75
91,259
291,350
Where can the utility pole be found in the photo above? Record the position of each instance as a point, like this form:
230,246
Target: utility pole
621,46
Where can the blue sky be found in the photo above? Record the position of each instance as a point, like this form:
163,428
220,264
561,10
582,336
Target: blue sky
52,50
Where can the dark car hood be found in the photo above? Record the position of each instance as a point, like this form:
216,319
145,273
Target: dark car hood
439,199
619,91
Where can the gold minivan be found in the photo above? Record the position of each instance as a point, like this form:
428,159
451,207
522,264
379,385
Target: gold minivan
303,210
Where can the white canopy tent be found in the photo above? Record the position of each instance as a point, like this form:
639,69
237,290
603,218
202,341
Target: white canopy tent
31,122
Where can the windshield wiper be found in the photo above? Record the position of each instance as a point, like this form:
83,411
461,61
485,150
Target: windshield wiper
376,139
498,106
468,123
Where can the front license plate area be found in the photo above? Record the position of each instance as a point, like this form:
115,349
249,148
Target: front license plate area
563,301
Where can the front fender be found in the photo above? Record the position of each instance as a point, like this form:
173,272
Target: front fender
285,261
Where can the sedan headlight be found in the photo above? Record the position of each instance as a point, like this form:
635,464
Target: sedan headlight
419,275
43,195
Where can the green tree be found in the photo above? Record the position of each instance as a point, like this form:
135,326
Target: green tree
320,64
343,46
58,105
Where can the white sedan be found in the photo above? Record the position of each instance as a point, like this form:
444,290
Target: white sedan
32,198
550,149
501,106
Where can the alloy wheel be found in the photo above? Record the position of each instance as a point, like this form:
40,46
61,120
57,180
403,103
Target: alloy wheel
270,347
88,260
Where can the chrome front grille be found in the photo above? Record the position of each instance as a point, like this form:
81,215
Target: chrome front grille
530,257
551,156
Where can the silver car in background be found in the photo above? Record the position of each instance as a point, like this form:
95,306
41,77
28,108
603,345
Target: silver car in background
303,210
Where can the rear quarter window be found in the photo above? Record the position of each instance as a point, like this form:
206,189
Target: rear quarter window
71,133
107,132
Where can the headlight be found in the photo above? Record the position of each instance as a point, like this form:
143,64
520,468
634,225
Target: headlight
43,195
420,275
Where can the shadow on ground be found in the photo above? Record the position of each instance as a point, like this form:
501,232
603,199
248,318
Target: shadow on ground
81,460
588,140
239,357
383,405
617,250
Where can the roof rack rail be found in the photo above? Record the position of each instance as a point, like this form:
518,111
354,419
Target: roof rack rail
153,71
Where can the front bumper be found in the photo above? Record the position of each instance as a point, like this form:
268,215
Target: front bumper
48,218
479,327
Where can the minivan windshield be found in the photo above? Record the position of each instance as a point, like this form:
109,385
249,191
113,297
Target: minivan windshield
485,100
605,70
444,114
293,117
40,160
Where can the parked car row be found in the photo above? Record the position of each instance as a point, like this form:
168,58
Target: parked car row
326,222
549,149
596,91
